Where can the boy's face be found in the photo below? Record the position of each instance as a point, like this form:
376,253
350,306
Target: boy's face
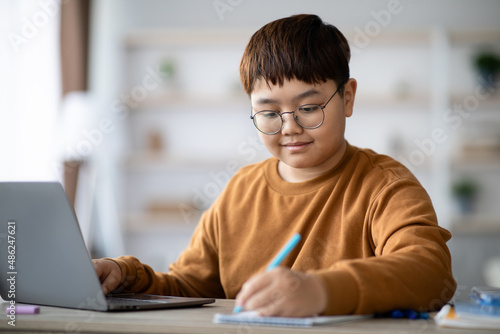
305,153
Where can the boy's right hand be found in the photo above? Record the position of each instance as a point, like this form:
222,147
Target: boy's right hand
109,274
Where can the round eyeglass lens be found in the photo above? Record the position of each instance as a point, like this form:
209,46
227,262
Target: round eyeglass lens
309,116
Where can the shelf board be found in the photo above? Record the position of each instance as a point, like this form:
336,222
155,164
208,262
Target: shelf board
188,37
165,101
171,100
394,37
150,222
422,101
478,36
475,225
150,161
392,103
240,36
491,104
477,161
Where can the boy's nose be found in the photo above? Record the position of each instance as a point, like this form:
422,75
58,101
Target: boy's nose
290,126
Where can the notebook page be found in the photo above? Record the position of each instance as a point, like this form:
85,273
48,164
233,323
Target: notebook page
251,317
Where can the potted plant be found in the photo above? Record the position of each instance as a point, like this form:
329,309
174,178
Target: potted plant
464,191
488,65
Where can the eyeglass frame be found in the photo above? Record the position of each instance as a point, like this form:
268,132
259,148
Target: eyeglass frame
252,117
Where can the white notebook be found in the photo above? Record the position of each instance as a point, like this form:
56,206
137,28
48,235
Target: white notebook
251,317
450,316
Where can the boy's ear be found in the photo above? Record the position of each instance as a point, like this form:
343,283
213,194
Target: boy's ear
349,96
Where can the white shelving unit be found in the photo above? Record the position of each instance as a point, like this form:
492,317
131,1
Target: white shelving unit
185,140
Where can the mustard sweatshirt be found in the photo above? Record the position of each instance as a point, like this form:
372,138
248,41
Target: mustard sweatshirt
368,229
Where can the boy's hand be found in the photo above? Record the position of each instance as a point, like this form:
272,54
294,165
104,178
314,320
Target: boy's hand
285,293
109,274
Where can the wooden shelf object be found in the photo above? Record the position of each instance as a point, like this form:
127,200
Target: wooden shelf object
475,225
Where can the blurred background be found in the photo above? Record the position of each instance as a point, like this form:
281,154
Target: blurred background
136,107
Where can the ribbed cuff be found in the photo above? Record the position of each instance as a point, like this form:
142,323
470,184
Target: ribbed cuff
129,272
342,291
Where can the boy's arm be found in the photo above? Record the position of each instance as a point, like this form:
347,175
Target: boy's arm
195,274
411,267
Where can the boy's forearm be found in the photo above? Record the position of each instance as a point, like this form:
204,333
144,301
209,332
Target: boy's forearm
407,279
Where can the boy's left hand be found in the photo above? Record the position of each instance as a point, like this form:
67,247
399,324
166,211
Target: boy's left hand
284,293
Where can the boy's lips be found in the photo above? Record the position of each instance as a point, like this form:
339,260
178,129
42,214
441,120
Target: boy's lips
296,146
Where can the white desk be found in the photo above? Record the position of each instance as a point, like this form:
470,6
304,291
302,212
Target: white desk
194,320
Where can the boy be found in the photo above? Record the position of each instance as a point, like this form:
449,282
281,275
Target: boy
370,238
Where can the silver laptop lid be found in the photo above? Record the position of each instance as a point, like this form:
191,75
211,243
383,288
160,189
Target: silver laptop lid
43,259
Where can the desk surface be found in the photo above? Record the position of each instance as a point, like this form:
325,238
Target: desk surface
194,320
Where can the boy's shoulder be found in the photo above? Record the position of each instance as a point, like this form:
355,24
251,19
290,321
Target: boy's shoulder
378,166
254,170
247,177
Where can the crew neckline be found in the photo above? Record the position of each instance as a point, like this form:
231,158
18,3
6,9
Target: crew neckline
296,188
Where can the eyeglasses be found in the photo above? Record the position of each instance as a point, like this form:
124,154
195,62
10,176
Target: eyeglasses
308,116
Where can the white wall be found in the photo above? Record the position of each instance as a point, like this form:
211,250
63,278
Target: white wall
344,14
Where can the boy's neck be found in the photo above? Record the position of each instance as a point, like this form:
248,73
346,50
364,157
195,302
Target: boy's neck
294,175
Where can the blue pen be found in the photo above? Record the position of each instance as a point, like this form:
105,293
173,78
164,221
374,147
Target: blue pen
290,245
404,314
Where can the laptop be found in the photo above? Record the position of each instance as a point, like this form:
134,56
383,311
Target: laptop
44,260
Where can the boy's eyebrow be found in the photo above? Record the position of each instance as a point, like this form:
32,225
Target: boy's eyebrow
307,93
